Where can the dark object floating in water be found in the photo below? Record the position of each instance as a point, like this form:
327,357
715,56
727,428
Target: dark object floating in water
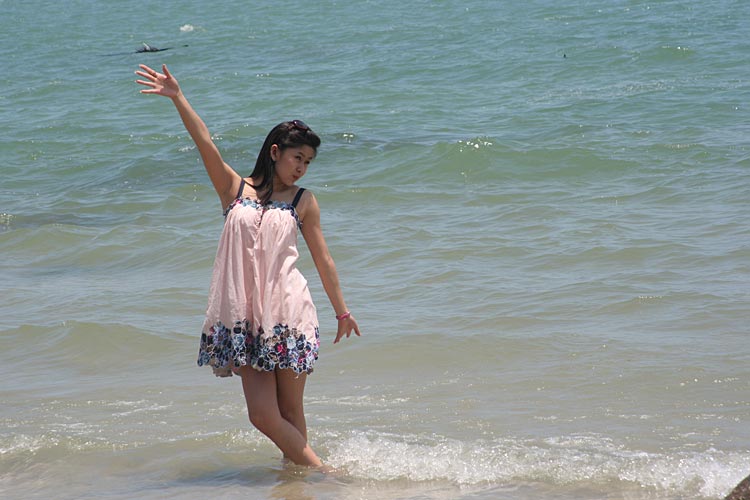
741,491
141,50
148,48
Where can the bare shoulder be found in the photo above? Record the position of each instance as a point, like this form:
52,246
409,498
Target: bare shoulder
306,196
307,207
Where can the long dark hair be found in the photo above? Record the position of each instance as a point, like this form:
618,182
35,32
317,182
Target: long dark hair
291,134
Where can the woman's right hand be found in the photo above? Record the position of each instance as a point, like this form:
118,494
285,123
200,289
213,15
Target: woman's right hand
160,83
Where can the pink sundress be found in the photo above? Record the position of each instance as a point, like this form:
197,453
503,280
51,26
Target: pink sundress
260,311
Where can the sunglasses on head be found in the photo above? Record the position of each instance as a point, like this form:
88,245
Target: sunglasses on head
300,125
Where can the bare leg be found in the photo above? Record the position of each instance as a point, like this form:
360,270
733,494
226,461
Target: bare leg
260,389
290,389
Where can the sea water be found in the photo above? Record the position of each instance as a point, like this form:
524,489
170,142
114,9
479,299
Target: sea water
539,213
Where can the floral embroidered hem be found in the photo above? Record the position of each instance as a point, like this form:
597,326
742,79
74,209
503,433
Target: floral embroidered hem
226,350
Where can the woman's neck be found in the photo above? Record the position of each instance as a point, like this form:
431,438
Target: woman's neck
277,187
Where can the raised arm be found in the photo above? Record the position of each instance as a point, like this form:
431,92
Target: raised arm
223,177
309,212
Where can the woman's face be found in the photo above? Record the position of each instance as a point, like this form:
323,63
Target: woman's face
292,162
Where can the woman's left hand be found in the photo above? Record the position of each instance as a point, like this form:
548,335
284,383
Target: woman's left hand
346,327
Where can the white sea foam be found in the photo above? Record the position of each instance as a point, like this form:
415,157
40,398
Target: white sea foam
575,461
22,443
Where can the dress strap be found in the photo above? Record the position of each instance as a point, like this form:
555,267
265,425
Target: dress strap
297,197
242,188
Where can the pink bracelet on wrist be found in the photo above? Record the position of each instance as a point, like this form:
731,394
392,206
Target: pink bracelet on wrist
343,316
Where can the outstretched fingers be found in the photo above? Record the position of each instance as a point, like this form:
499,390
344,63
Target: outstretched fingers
159,83
147,72
152,90
151,78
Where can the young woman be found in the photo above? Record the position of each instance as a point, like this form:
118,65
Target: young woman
261,323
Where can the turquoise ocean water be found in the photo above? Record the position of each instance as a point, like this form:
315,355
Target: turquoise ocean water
539,212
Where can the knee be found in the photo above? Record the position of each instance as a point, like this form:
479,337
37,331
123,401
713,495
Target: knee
292,413
264,420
